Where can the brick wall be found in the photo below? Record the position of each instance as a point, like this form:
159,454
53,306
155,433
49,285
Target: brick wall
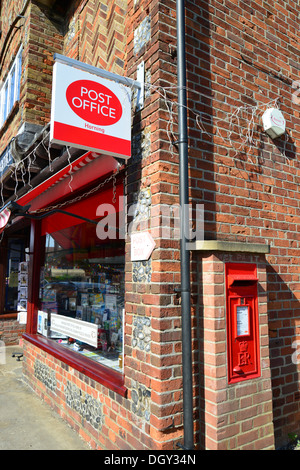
154,171
102,417
241,59
10,330
246,54
95,34
42,39
40,35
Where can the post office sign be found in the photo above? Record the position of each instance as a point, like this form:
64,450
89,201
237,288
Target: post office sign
90,112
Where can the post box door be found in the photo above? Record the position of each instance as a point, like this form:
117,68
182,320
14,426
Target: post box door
242,322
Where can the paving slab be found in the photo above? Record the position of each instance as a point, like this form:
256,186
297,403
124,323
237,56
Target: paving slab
26,422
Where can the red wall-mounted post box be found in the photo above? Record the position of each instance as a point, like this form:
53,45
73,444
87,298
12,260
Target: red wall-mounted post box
242,321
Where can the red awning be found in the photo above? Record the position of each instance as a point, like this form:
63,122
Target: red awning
92,166
87,207
4,218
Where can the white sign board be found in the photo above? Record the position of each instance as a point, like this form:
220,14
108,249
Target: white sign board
42,326
142,245
90,112
77,329
22,317
242,321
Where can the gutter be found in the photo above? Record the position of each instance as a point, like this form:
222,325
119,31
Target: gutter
185,252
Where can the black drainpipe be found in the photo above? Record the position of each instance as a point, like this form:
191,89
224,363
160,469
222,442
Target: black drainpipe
184,224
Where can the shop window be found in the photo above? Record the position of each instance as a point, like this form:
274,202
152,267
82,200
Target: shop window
81,298
10,91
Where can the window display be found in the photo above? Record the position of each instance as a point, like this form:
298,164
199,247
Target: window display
82,294
16,280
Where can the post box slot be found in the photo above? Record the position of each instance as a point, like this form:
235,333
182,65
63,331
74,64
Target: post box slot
241,280
242,283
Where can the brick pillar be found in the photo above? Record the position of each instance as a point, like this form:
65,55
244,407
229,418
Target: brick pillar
235,416
42,41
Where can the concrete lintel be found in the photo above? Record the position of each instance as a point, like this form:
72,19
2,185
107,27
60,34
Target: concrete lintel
221,245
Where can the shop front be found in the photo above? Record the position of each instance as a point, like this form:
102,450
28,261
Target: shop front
75,280
14,249
76,276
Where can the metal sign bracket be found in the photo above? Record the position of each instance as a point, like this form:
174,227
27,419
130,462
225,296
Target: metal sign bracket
139,84
140,91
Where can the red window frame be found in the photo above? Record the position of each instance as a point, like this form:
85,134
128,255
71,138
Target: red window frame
101,374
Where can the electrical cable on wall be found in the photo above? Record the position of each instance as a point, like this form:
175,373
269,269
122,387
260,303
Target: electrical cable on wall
229,129
248,114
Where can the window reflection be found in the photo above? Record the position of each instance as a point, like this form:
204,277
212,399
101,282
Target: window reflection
82,294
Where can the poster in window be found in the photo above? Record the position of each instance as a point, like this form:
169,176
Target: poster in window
111,302
49,295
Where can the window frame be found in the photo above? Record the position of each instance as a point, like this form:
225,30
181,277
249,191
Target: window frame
7,97
101,374
57,256
109,378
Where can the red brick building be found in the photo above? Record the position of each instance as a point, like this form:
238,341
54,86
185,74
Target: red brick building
130,391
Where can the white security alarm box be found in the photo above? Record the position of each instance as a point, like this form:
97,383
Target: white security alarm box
273,122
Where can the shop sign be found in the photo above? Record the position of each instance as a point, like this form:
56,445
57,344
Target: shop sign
142,245
77,329
90,112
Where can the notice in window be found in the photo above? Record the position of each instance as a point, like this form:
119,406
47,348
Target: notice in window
242,320
77,329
